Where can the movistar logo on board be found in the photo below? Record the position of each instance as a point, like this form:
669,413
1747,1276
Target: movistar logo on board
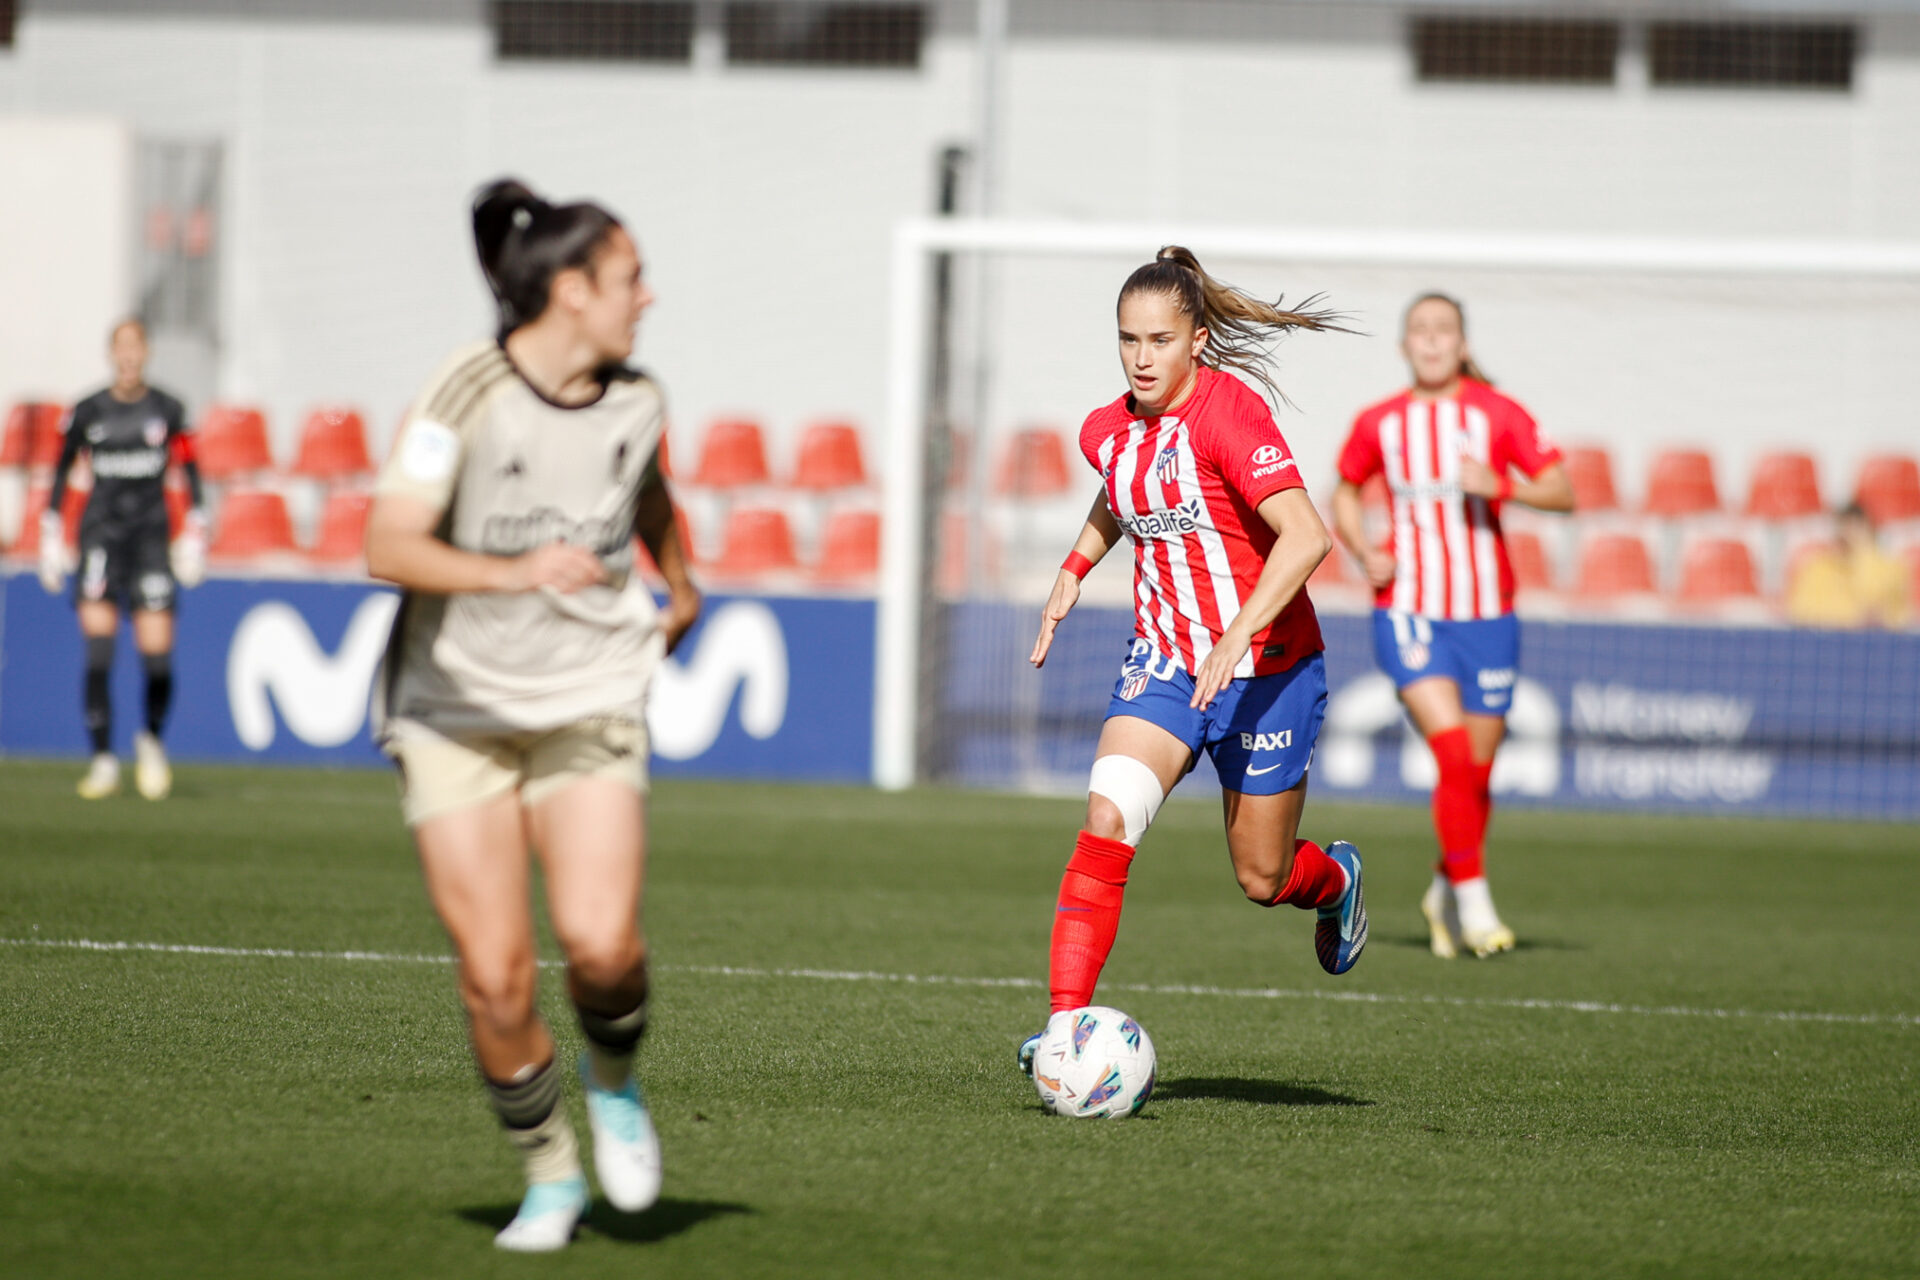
1176,521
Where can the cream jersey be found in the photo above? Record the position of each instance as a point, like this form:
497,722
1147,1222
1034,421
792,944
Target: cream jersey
510,471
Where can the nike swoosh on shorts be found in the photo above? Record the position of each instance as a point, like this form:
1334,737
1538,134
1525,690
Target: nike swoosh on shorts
1254,773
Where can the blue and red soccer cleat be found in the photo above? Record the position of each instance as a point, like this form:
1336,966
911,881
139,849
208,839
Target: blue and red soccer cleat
1341,933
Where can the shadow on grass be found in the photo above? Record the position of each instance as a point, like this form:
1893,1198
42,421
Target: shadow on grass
1266,1093
667,1218
1419,942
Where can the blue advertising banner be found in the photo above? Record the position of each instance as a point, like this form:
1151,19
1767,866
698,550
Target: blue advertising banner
282,671
1754,720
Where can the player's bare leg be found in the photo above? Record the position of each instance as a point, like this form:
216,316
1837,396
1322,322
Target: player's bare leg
1275,866
1458,904
592,842
153,637
99,627
479,877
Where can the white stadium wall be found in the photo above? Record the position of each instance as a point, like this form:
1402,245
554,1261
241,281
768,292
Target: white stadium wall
65,270
764,199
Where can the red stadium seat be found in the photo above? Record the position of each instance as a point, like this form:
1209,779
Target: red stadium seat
758,541
969,555
232,441
830,458
1889,488
75,502
21,435
850,548
1590,471
1714,569
32,436
1614,564
253,522
1680,483
333,446
1529,557
343,527
733,456
1034,464
1785,485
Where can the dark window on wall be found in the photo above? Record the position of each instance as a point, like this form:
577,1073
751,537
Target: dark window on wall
9,11
1515,50
593,30
795,33
1751,54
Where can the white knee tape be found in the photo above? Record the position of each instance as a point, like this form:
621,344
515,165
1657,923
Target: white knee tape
1133,788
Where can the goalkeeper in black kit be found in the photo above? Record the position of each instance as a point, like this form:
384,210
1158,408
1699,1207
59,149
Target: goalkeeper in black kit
131,432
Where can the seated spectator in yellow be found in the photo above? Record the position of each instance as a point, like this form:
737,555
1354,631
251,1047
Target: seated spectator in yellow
1850,582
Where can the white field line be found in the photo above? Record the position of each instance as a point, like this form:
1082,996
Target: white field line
944,980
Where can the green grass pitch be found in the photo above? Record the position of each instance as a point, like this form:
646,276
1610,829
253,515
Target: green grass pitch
1620,1097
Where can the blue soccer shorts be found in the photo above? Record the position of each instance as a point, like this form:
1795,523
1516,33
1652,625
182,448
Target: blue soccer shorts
1481,655
1259,730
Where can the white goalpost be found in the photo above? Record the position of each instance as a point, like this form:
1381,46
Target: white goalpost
1737,271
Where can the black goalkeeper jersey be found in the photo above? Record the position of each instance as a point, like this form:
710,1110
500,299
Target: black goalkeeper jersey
129,445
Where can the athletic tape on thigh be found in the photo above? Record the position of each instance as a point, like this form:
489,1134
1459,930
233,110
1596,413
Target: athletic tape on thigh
1134,790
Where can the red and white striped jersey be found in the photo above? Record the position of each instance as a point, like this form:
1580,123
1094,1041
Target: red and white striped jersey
1185,487
1451,557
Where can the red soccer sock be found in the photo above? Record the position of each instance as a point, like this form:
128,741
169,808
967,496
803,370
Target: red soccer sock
1317,880
1086,918
1482,814
1459,813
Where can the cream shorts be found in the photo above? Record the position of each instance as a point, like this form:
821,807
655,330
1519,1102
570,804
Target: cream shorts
441,773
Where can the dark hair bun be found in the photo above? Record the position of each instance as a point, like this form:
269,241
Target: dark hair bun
523,242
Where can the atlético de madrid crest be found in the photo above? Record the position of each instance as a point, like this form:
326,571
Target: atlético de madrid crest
1167,466
155,432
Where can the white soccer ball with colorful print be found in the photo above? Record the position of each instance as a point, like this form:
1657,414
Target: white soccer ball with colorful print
1094,1062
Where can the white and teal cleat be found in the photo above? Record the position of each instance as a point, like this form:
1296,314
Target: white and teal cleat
547,1217
626,1150
1031,1045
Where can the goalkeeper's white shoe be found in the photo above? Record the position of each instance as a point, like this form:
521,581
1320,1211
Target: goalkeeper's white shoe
152,775
1443,918
548,1214
626,1150
102,780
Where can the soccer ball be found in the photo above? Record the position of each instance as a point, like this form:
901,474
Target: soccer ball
1094,1062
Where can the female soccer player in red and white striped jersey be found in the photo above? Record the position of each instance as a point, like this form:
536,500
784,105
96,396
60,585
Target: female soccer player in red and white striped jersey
1443,625
1226,650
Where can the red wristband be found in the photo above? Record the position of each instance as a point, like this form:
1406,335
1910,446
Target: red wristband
1506,489
1077,565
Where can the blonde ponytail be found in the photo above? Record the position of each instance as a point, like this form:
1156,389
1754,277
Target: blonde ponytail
1241,329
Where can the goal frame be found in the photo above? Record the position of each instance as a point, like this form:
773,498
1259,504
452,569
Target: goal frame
916,241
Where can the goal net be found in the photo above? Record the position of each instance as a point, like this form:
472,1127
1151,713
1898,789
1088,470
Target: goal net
1658,667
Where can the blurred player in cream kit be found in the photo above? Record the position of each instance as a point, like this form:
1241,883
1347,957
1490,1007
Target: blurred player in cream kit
1443,626
513,695
128,563
1226,652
